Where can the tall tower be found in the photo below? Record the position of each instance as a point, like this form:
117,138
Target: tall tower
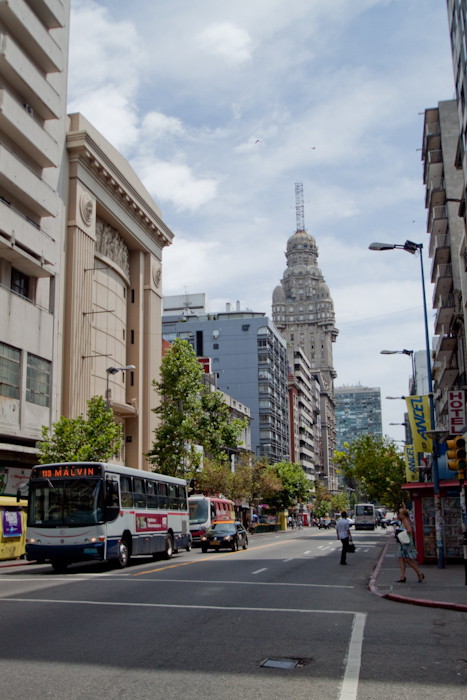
303,311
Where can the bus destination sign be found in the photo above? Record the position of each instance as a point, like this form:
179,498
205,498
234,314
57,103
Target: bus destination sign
66,471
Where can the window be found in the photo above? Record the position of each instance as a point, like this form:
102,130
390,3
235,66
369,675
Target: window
215,346
139,495
151,488
19,283
38,381
126,491
9,371
163,497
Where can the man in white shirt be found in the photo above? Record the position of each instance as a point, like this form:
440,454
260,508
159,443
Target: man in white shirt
343,534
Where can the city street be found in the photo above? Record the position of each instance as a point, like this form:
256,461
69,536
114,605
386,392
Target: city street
200,626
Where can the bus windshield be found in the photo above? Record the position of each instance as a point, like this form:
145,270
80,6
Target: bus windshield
199,512
66,502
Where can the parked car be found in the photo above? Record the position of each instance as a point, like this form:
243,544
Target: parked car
227,534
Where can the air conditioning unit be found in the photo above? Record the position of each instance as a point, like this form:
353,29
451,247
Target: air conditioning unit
215,334
29,109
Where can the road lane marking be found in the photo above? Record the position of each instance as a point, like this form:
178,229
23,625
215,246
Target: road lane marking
354,659
72,579
284,561
259,571
350,681
307,551
209,558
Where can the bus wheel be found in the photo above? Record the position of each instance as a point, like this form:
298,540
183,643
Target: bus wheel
169,547
58,566
123,555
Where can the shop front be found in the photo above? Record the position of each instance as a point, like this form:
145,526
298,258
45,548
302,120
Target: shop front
422,496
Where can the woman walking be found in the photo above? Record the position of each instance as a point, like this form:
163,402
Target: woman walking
407,553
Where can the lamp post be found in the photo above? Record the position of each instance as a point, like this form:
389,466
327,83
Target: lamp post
403,352
411,247
114,370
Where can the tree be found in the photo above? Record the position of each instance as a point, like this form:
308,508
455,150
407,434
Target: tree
295,486
191,415
321,494
95,439
377,463
254,480
215,478
339,502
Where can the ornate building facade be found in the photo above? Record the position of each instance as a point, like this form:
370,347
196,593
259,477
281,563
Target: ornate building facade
303,311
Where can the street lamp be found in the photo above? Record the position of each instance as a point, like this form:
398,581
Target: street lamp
114,370
411,247
403,352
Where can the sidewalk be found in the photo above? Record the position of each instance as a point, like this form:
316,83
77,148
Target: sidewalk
441,588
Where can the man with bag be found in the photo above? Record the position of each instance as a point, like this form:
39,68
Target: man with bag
343,534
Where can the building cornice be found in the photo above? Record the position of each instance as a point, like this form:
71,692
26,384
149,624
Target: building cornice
83,149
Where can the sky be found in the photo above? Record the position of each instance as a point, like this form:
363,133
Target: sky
221,107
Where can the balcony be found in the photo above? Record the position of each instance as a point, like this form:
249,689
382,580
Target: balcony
50,12
431,138
31,33
435,193
445,346
20,229
447,374
18,179
433,166
19,70
441,253
437,222
442,283
26,132
445,312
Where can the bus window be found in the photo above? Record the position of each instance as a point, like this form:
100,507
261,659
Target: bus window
173,497
163,497
182,497
127,491
139,494
151,495
112,503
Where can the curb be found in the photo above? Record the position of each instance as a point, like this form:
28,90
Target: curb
14,562
459,607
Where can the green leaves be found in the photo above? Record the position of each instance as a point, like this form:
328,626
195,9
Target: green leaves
95,439
378,465
192,416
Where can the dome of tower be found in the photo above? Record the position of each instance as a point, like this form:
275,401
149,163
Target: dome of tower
278,295
299,240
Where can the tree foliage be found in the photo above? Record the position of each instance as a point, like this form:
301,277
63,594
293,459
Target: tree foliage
94,439
295,486
190,415
377,463
339,502
321,495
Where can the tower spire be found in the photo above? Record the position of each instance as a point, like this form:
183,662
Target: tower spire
299,207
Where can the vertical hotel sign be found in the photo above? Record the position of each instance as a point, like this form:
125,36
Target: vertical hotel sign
418,408
456,411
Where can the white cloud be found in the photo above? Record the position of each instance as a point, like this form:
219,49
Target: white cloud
227,41
158,125
175,183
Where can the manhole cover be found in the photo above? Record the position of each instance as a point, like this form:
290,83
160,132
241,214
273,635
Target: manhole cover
280,663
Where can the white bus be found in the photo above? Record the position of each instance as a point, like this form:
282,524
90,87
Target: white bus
96,511
365,516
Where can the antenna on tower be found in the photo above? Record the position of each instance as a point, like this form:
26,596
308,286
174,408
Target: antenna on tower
299,207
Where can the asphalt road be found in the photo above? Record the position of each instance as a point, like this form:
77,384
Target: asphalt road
200,627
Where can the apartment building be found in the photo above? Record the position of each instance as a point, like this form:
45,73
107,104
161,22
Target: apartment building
33,191
444,196
249,359
358,412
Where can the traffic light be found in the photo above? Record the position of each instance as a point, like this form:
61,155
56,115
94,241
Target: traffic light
456,454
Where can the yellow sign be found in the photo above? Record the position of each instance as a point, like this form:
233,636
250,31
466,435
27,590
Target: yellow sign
419,417
411,473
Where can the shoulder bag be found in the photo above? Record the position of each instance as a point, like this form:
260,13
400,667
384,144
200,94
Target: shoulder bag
402,536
